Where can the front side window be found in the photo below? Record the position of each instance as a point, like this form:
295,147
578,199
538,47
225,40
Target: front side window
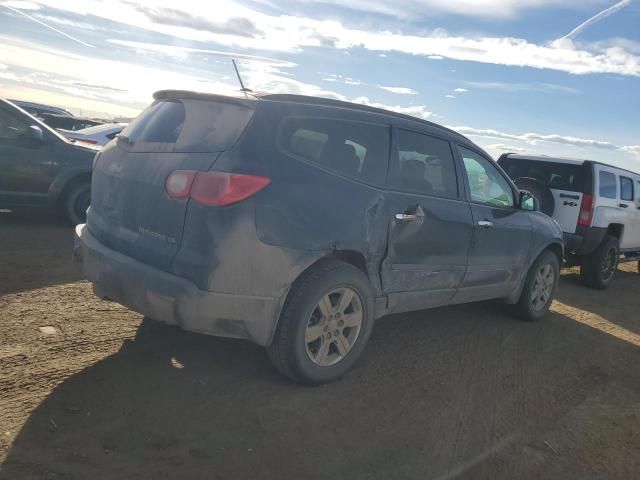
626,189
486,184
357,150
11,128
608,187
423,164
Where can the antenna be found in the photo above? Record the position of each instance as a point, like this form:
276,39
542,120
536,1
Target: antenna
242,87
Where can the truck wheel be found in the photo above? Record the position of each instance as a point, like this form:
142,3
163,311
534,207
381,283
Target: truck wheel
76,203
325,324
539,287
598,268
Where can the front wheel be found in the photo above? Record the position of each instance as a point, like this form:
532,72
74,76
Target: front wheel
539,287
325,324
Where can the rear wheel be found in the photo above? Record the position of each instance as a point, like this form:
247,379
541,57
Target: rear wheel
598,268
325,324
76,203
539,288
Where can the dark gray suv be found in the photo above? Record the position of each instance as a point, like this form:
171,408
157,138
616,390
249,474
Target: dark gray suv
295,222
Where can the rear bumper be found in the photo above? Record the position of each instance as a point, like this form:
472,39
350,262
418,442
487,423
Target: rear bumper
171,299
584,241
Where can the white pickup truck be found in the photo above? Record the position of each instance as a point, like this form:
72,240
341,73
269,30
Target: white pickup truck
597,205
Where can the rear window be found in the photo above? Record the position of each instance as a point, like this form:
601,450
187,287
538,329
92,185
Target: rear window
355,149
187,125
608,187
559,176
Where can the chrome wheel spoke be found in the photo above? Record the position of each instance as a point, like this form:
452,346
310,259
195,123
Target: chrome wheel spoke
345,300
325,306
312,333
343,345
323,352
352,319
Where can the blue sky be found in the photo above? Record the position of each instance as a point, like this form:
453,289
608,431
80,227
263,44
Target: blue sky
540,76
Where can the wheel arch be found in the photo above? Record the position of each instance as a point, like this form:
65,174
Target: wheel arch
64,182
351,257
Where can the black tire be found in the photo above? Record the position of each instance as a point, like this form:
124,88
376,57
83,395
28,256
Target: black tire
288,351
76,202
598,268
540,191
525,308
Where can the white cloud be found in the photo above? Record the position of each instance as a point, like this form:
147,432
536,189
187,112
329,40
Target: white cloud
435,57
286,33
537,138
525,87
399,90
460,90
422,8
449,96
419,111
506,148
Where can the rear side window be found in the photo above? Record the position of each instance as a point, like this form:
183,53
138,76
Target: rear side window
187,125
355,149
423,164
626,189
559,176
608,187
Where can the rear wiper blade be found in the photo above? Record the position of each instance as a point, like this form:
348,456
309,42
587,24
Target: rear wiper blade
124,138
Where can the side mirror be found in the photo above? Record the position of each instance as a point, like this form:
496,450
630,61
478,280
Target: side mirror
33,134
528,202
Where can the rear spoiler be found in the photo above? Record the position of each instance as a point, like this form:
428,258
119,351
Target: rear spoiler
188,94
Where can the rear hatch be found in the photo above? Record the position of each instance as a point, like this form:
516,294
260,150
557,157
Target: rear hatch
131,211
565,180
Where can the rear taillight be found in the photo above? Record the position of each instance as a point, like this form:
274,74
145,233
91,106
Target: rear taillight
214,188
586,210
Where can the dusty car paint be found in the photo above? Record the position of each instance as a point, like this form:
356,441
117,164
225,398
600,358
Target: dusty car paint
227,271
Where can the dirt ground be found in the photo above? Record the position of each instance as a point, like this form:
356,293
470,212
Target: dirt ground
462,392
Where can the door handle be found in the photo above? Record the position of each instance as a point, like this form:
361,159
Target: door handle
485,224
623,205
407,217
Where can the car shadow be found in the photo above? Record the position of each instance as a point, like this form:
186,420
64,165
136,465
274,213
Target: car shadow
459,392
35,251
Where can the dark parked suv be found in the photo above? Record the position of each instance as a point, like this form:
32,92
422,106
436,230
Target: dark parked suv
295,222
39,167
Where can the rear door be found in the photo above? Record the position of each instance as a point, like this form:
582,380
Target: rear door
429,223
501,232
130,209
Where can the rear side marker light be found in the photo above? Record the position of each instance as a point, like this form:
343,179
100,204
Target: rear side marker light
216,189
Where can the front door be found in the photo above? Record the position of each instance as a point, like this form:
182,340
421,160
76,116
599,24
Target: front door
501,231
26,164
429,224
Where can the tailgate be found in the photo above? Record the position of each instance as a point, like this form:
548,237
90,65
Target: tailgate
131,211
567,209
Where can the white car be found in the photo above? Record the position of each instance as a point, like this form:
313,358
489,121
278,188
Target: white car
597,205
96,135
